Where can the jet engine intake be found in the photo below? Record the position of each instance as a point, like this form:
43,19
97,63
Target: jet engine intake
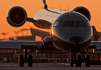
16,16
83,11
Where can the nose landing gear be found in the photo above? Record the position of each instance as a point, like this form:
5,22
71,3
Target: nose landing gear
77,60
71,62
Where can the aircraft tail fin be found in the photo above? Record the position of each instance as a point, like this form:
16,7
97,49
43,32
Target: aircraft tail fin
95,34
44,4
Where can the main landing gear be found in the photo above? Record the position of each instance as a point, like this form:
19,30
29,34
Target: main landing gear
28,59
77,60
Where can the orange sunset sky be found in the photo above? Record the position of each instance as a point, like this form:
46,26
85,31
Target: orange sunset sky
32,6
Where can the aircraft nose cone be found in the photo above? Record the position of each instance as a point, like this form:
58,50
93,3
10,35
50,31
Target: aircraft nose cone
76,40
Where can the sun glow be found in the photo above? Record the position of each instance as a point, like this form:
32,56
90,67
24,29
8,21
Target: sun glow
33,6
52,32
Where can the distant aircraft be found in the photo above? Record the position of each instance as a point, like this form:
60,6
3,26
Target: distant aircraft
70,31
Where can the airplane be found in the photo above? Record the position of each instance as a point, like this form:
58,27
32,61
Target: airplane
68,31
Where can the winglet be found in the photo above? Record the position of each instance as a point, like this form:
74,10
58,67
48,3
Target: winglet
44,4
95,34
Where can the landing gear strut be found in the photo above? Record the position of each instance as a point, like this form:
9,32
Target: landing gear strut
27,59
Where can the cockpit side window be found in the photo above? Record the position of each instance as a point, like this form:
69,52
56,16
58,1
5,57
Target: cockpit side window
68,24
80,24
88,23
58,23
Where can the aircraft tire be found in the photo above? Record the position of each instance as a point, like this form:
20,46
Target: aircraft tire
30,61
87,61
78,61
71,62
21,61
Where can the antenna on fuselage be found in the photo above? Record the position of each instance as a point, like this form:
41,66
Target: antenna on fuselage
44,4
68,8
60,7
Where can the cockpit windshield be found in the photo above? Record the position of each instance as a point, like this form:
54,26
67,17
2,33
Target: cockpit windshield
68,24
80,24
72,23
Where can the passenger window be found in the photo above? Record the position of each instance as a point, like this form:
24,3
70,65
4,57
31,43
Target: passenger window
68,24
58,23
80,24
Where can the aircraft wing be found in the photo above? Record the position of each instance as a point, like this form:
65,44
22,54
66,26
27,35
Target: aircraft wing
18,45
95,45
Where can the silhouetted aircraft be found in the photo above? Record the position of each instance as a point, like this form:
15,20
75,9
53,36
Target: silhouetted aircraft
61,31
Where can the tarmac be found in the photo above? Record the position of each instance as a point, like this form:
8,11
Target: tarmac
46,66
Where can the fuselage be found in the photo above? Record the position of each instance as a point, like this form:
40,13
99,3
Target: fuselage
72,30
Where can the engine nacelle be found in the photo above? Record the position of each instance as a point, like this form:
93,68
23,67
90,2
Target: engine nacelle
16,16
83,11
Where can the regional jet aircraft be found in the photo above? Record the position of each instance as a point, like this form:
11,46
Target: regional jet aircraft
71,31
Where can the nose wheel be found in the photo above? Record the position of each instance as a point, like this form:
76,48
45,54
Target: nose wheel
77,60
71,62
